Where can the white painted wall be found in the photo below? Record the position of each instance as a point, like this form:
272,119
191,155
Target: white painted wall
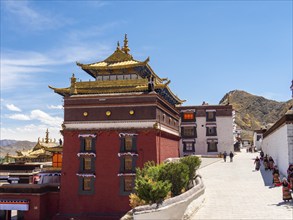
224,135
201,140
290,142
257,143
276,145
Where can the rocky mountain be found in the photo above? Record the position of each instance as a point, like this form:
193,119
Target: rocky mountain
11,146
254,112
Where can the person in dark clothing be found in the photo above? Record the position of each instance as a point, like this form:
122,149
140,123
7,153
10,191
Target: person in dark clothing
261,154
225,156
276,176
257,163
271,163
286,190
231,156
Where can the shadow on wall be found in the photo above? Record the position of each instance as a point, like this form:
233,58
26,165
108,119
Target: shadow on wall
267,176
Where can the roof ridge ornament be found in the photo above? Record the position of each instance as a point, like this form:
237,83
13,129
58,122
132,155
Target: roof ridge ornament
125,47
118,46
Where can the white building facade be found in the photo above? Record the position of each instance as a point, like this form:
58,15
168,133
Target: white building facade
206,129
278,142
257,138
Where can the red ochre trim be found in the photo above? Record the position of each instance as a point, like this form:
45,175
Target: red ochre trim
12,202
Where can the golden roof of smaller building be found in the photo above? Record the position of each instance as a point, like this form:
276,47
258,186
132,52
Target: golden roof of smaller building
43,147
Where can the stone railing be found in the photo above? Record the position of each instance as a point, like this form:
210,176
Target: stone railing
179,207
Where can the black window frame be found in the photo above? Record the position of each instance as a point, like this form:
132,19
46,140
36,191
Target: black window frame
214,133
134,144
194,135
81,165
122,165
122,185
208,147
184,147
81,191
214,116
82,144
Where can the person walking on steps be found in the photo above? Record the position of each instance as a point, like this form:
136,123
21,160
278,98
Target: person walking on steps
231,156
286,190
257,163
276,177
225,156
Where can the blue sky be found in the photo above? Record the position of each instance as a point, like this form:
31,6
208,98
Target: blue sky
206,49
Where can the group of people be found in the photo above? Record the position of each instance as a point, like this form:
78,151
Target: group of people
286,183
231,155
268,162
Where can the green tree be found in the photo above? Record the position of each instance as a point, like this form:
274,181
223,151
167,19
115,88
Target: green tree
176,174
147,185
193,163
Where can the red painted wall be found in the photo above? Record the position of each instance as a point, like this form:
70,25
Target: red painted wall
166,148
107,198
41,206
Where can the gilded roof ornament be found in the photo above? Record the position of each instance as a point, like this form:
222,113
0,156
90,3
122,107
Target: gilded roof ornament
73,85
47,136
125,46
118,46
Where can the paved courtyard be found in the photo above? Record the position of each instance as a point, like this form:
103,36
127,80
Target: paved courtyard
236,191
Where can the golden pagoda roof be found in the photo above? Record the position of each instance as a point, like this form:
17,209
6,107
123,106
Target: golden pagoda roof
40,149
115,68
110,86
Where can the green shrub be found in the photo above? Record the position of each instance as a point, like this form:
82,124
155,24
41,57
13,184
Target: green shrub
177,174
151,191
193,163
147,185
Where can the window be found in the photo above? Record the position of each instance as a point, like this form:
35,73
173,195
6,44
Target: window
87,163
188,147
128,163
128,143
188,116
128,184
88,144
128,156
212,146
188,132
211,131
258,137
57,160
211,116
86,184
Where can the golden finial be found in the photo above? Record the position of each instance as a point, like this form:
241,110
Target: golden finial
73,85
125,46
47,136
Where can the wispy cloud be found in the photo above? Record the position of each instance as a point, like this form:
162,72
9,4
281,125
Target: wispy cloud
21,117
24,13
41,116
12,107
46,118
18,68
55,107
29,132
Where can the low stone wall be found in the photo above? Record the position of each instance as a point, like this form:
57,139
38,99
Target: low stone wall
179,207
